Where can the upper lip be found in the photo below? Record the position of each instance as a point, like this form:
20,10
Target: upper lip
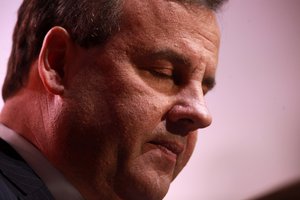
174,146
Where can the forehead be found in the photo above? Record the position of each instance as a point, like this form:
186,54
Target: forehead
165,15
171,24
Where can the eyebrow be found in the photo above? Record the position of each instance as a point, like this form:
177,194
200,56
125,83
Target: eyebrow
172,56
209,82
179,58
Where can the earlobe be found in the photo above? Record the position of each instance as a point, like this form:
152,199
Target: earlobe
53,59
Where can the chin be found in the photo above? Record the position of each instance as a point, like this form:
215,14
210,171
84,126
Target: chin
143,184
142,191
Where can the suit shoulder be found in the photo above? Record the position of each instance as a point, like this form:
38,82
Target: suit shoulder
18,180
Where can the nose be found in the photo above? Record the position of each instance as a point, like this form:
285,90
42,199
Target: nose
188,114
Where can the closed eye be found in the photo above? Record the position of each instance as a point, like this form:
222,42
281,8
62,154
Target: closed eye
164,73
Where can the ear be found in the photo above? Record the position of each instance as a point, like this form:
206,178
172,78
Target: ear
53,59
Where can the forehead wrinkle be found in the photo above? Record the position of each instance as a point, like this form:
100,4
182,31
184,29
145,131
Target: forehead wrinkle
167,12
197,30
204,24
204,55
148,20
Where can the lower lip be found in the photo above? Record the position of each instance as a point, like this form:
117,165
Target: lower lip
162,152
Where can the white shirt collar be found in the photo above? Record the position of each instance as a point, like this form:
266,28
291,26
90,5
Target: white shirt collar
57,184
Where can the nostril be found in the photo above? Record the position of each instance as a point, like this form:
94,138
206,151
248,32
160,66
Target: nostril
180,127
186,121
185,118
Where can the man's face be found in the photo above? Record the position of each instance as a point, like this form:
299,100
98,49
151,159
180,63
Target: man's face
133,106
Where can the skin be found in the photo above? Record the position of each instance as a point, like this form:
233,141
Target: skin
120,121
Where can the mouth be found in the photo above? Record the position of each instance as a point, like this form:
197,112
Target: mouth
164,154
170,148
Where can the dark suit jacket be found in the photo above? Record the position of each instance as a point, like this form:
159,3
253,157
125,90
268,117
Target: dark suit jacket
17,179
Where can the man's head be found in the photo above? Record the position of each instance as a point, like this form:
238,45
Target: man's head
118,89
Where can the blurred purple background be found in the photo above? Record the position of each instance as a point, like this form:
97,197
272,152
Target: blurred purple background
253,144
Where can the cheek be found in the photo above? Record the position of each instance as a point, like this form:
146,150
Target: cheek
137,115
136,106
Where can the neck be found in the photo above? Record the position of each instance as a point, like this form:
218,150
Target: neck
20,113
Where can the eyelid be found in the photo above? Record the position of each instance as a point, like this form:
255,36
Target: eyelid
163,67
162,72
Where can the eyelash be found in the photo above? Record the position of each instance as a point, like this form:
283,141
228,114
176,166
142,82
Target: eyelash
161,74
177,80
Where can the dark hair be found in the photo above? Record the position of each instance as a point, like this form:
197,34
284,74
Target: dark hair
89,23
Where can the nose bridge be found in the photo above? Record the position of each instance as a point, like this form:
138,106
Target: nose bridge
195,104
190,112
192,92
